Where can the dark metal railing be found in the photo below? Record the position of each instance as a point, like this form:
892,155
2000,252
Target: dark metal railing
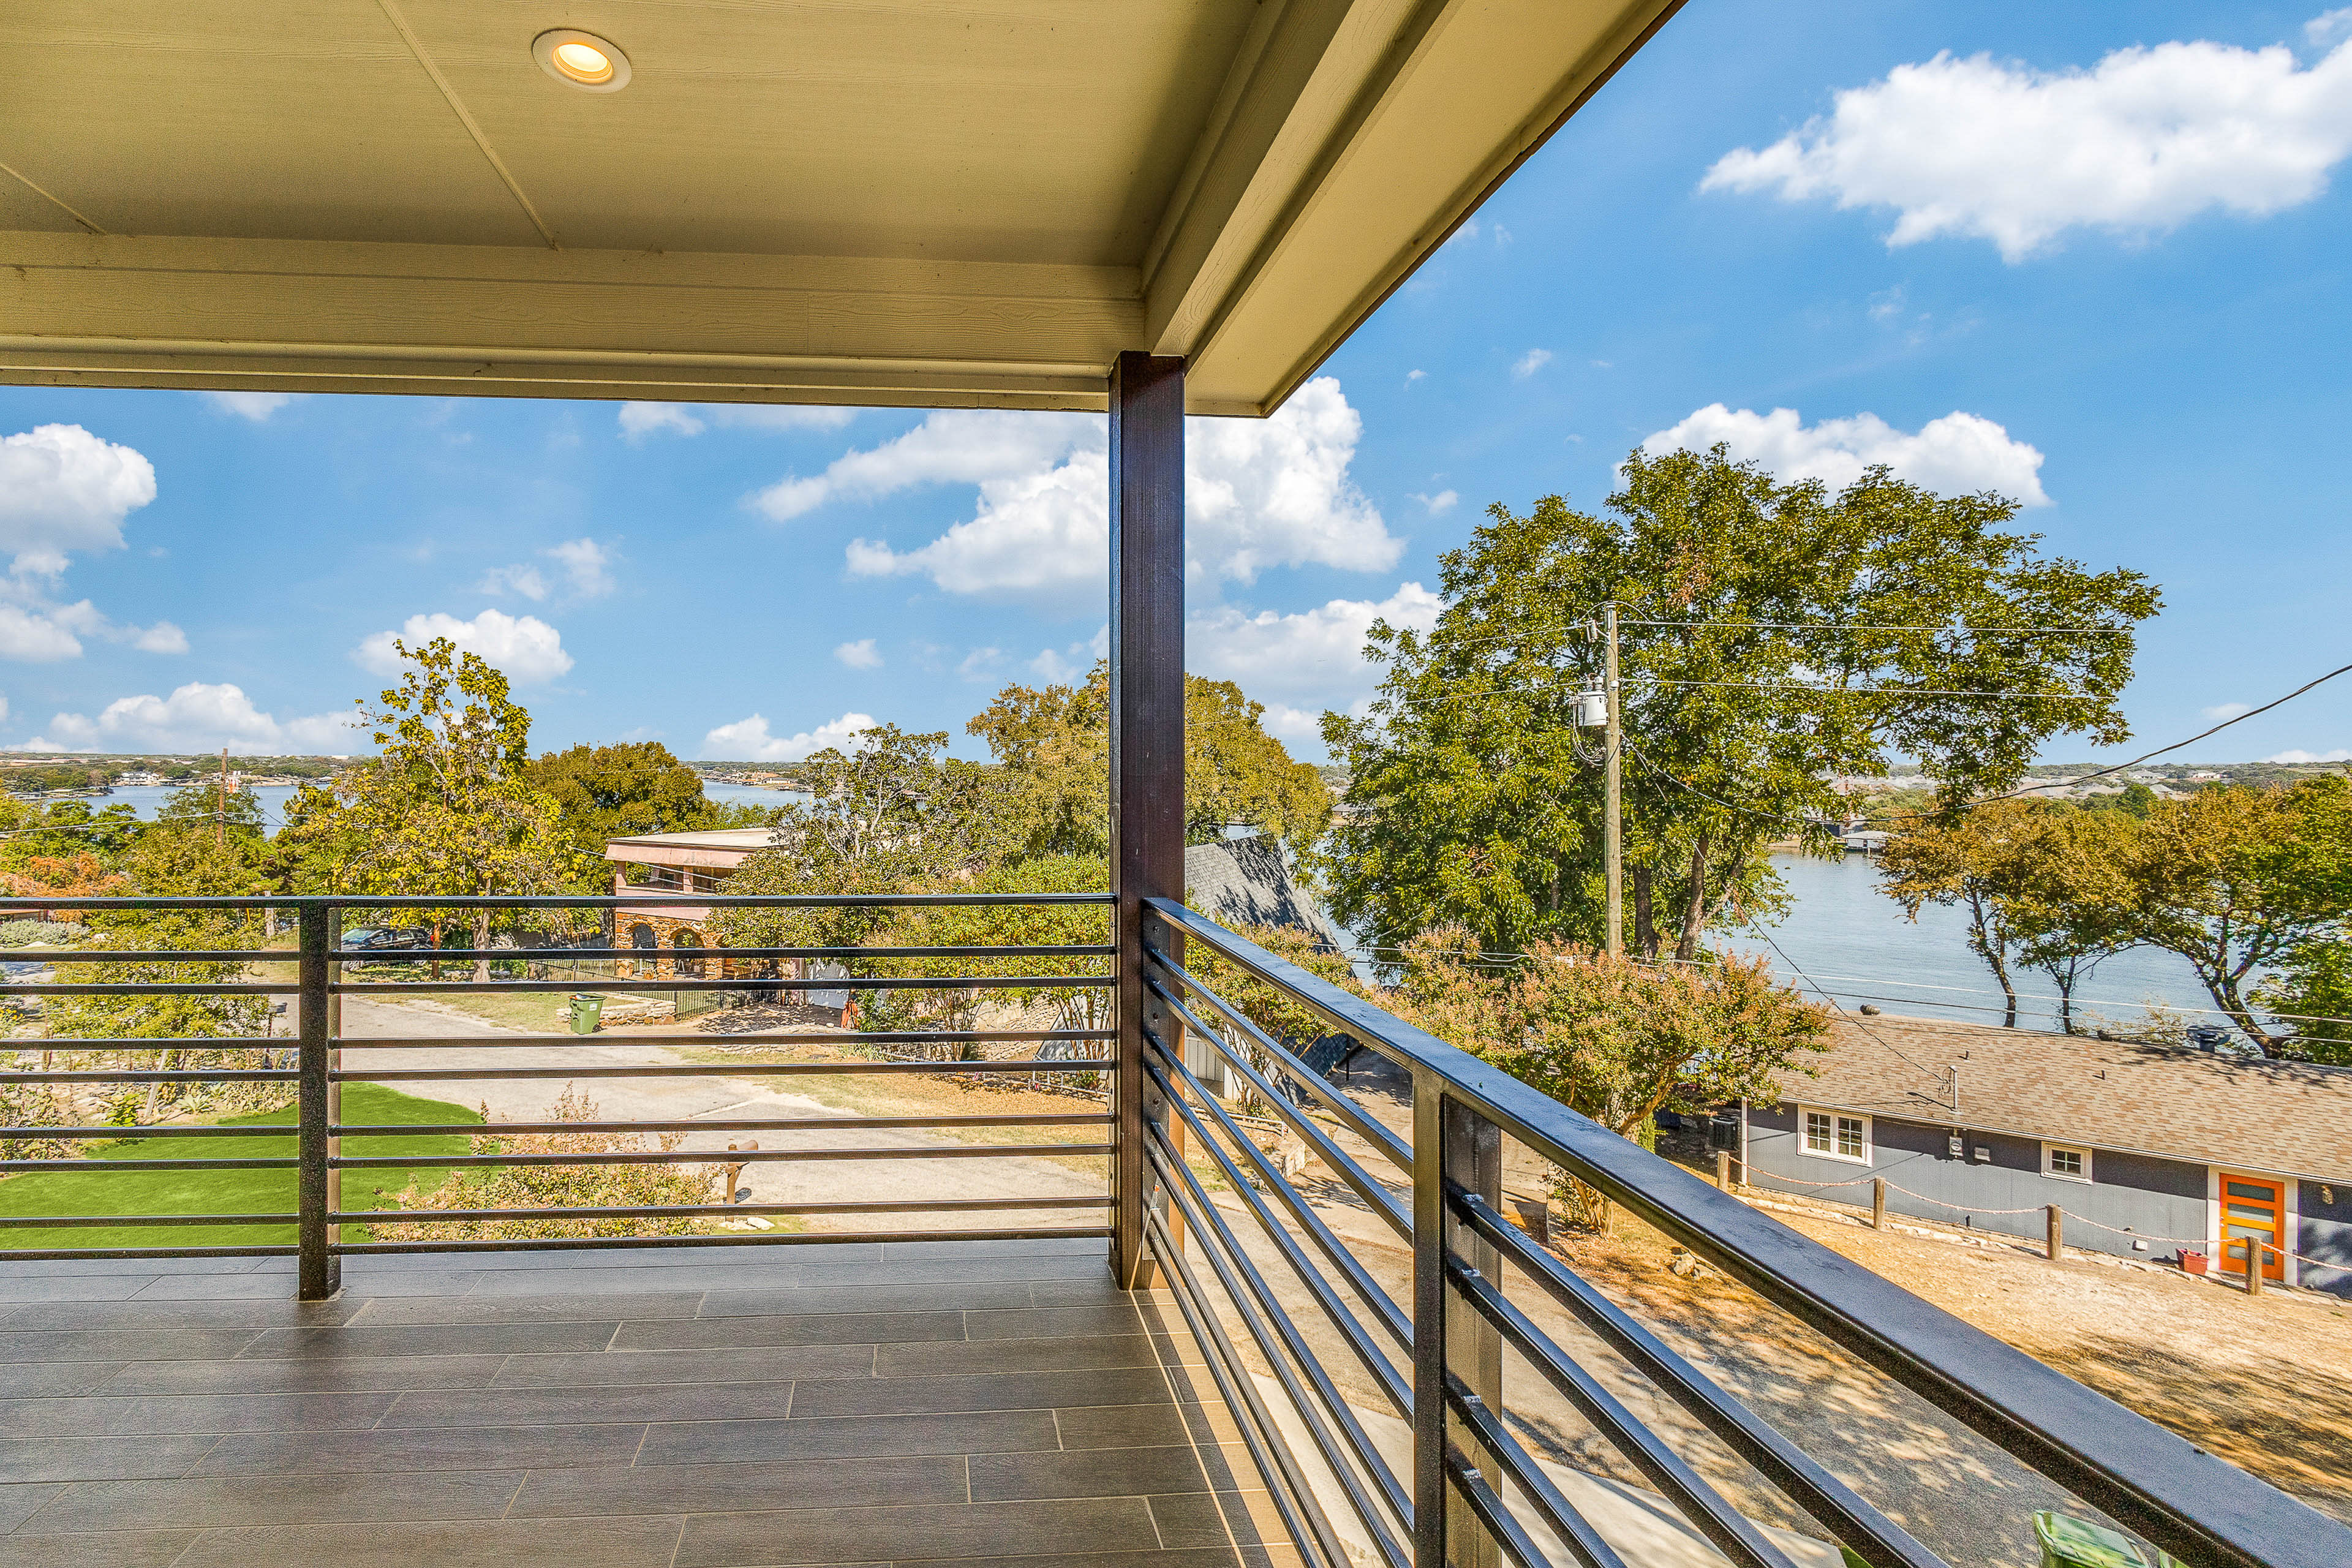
323,979
1472,1491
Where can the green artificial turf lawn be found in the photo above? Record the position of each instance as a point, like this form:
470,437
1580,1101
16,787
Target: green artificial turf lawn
134,1192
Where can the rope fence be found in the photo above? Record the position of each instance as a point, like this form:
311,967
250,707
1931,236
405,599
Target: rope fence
2198,1241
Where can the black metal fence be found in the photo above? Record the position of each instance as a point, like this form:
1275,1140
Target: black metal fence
321,976
1470,1488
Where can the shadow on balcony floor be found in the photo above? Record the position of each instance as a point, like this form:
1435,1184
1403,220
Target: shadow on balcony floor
726,1408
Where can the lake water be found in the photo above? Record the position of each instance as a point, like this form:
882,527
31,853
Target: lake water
1854,943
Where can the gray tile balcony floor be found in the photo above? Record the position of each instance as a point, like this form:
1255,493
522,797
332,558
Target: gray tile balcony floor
978,1402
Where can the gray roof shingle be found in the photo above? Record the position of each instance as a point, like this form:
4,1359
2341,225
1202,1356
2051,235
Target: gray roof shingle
2289,1118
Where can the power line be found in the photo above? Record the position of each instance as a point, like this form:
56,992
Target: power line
1579,629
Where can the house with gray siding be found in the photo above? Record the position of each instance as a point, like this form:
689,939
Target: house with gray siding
2164,1153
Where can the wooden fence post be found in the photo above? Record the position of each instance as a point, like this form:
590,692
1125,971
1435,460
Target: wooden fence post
1878,1203
2056,1243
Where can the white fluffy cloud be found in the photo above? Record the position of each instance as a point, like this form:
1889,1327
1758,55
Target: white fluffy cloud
583,563
195,718
257,406
639,420
2147,139
859,654
1298,665
36,630
1439,504
748,739
1258,493
1960,454
1528,363
2338,755
957,446
2222,710
526,648
62,490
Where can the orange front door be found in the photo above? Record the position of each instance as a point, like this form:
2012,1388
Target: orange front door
2253,1208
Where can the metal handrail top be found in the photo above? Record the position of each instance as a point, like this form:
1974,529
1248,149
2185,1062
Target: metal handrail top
2152,1479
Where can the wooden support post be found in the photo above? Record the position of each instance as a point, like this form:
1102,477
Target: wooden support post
317,1189
2055,1222
2254,1267
1723,1169
1878,1203
1451,1144
1147,733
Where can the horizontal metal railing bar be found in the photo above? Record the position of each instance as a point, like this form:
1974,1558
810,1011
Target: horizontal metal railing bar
1285,1354
286,955
1294,1498
701,1069
157,1075
1384,1308
643,954
2190,1503
1334,1405
824,1037
1877,1538
675,1156
77,1134
1378,1198
145,1043
735,1238
1363,1126
1575,1532
661,1211
560,902
1733,1533
1500,1524
771,1124
88,1254
153,988
287,1163
683,983
70,1221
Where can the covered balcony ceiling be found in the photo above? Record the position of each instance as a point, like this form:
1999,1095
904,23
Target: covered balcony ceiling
925,202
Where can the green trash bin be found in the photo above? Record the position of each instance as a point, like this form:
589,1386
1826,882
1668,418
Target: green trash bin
2071,1542
586,1010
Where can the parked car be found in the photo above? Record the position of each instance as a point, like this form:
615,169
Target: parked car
373,939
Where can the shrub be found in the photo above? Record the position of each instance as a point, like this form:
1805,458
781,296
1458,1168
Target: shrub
555,1186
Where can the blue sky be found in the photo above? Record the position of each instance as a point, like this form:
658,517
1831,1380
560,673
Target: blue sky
1973,240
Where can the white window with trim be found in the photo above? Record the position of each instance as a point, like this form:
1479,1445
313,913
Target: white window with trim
2067,1162
1834,1135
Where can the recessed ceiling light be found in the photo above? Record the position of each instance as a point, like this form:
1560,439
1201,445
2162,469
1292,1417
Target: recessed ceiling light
580,59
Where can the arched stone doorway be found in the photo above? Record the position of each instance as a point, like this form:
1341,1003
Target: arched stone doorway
686,937
642,938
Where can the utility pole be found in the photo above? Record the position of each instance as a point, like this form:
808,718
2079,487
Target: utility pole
1613,833
220,818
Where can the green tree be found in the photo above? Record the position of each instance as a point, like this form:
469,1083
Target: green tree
1979,861
449,806
2073,897
1054,744
1616,1039
612,792
974,925
890,812
2311,994
2240,880
1774,638
187,852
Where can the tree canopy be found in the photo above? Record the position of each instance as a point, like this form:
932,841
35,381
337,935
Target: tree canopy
449,806
1774,637
612,792
1054,744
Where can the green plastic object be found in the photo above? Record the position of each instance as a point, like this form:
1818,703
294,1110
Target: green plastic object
586,1009
2071,1542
